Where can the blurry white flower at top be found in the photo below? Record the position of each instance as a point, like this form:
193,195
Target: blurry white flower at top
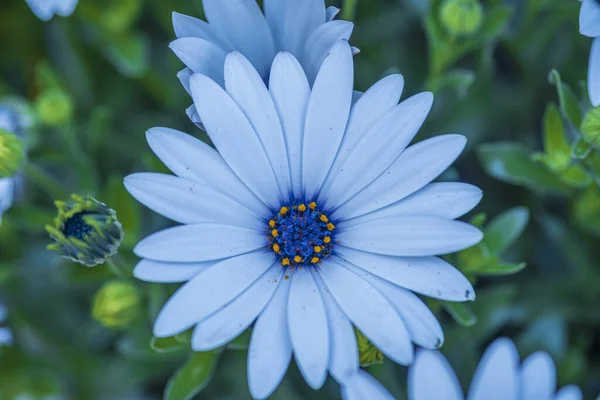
46,9
305,28
498,376
5,333
312,216
589,25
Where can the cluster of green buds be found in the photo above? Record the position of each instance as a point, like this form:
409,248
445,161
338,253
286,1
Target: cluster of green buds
461,17
12,154
116,304
85,231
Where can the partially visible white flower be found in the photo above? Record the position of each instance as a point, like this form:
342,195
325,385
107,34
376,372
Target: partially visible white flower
5,333
589,25
305,29
6,195
498,376
46,9
362,386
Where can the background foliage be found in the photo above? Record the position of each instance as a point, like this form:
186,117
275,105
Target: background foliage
96,81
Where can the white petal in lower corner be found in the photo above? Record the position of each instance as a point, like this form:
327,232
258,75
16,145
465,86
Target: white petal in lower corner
309,332
326,117
210,291
430,276
270,350
247,88
570,392
233,319
417,166
320,42
201,56
537,379
245,155
410,236
589,18
431,377
496,376
290,91
163,272
594,73
363,386
369,311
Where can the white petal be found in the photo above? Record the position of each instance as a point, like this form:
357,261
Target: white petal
594,72
247,88
290,91
192,114
6,193
235,139
332,12
163,272
320,42
379,148
363,386
430,276
6,337
326,117
369,311
201,56
343,361
431,377
242,24
270,350
417,166
199,242
292,21
309,332
188,202
423,327
410,236
496,376
209,291
65,7
367,109
570,392
193,159
233,319
186,26
41,9
537,379
589,18
184,77
444,200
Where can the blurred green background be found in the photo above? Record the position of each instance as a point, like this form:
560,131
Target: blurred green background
93,83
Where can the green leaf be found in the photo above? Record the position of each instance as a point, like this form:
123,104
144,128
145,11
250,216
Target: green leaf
567,98
556,145
129,53
581,148
461,313
459,79
166,345
501,268
576,176
501,232
496,21
193,377
509,162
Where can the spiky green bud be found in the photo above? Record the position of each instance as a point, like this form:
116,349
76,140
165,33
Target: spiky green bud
461,17
12,154
116,304
54,107
590,127
368,354
85,231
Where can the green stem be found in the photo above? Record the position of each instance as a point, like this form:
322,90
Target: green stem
45,181
349,10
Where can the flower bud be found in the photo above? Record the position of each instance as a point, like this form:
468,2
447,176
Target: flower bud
54,107
85,231
461,17
116,304
368,354
12,154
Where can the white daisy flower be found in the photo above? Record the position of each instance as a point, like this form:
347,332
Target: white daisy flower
589,25
498,376
304,28
310,217
46,9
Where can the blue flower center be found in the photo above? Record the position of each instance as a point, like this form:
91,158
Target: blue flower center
77,227
301,234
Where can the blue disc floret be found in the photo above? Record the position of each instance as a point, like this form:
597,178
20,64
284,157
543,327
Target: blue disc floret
301,234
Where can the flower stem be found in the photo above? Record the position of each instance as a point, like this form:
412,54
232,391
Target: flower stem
41,178
349,10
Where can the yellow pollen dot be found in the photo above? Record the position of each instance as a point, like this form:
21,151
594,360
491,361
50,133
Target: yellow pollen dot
274,232
276,248
330,226
302,207
326,239
312,205
285,261
318,249
324,218
283,210
297,259
314,260
272,223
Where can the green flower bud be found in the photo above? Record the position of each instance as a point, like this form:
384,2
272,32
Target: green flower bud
590,127
12,154
116,304
368,354
461,17
54,107
85,231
